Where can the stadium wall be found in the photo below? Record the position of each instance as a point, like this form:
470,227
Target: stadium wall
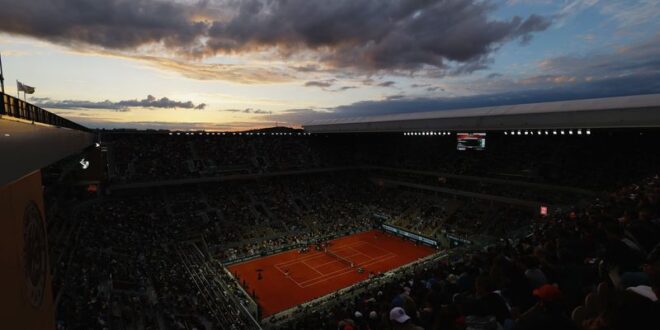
26,147
410,235
26,298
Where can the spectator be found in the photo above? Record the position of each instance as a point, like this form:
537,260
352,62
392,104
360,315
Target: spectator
400,320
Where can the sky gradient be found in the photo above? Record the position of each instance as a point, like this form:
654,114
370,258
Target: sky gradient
237,64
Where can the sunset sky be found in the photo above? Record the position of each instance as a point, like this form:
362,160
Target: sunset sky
236,64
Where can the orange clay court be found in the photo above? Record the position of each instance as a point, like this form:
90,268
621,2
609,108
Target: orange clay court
314,274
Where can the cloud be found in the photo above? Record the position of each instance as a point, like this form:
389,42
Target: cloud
238,73
632,12
320,83
621,13
637,60
571,8
640,59
374,82
616,86
326,84
373,34
149,102
434,88
250,111
112,24
428,87
166,125
366,35
395,97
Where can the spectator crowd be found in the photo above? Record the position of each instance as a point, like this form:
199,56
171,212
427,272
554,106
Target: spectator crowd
153,257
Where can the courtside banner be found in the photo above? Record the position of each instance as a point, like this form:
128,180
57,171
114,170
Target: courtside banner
413,236
26,299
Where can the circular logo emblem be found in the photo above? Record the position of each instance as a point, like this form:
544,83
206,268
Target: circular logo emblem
34,254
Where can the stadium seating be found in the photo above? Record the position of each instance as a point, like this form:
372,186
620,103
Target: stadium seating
154,257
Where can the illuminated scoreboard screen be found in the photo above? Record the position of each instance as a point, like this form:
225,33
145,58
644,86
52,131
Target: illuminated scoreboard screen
471,141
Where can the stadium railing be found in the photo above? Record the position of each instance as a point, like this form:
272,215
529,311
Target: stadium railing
17,108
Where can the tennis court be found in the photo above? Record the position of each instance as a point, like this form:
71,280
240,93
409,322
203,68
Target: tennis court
291,278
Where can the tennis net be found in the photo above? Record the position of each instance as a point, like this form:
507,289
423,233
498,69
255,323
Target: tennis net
340,258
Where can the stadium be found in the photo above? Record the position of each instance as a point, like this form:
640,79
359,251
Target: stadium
300,229
350,165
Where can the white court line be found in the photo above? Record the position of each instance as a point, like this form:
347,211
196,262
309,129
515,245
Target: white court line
330,262
368,262
312,268
366,255
327,263
337,273
345,272
352,255
317,254
320,254
289,277
295,261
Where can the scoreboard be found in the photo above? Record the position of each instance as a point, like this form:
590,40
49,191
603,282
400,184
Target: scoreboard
471,141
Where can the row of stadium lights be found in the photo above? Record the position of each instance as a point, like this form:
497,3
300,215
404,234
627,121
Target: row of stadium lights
513,132
553,132
426,133
241,133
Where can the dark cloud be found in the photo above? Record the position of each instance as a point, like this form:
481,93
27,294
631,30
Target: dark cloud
386,83
320,83
149,102
494,75
377,83
434,89
374,34
326,84
368,35
308,68
250,111
428,87
113,24
532,23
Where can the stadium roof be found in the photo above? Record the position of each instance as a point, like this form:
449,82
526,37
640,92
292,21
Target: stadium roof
32,138
610,112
